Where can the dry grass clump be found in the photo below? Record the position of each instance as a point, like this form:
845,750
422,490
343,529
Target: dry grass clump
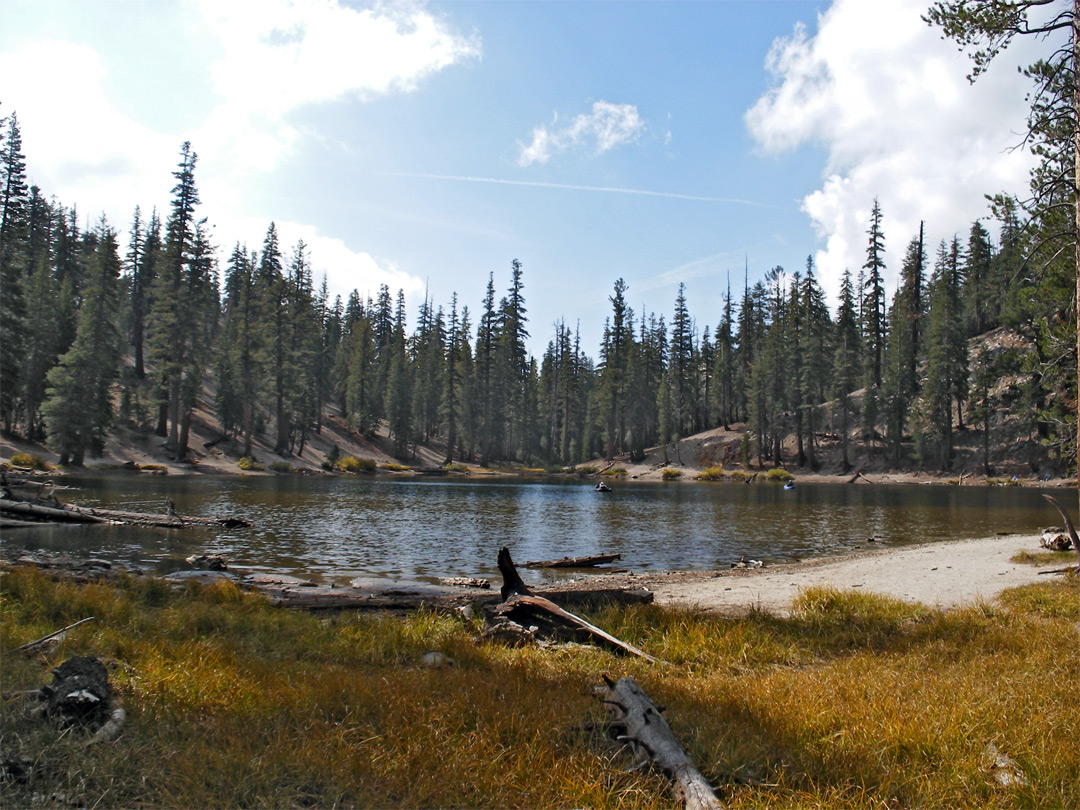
715,473
671,474
854,701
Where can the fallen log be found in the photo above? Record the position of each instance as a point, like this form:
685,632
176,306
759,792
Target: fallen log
575,562
53,514
639,722
522,608
550,620
69,513
30,646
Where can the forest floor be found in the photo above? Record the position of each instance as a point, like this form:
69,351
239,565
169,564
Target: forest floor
1016,460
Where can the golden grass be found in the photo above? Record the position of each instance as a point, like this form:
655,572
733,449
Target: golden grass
1041,558
854,701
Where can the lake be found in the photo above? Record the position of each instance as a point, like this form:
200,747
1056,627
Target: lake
340,528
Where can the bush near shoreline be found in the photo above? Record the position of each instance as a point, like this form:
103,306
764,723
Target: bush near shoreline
853,701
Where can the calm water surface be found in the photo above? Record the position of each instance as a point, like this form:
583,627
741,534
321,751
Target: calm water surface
336,529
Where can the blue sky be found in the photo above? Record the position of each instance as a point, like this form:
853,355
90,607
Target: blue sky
426,145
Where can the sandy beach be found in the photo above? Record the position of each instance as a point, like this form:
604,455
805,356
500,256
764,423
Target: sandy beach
938,575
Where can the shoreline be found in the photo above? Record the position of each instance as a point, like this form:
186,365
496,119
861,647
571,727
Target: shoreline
939,575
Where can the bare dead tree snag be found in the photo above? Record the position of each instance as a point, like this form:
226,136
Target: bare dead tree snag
640,723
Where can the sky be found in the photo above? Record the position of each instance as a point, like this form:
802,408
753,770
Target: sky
428,145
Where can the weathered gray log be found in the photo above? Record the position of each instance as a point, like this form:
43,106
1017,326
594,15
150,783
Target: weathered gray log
68,513
530,610
575,562
53,514
639,722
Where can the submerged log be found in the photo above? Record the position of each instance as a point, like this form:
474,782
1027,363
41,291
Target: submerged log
575,562
68,513
638,721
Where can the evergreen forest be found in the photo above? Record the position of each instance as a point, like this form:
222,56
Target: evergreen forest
97,333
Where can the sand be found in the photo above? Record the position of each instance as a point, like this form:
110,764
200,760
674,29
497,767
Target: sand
938,575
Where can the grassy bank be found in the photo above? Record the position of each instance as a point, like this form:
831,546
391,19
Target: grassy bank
854,701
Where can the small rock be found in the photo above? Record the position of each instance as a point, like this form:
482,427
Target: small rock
433,659
208,562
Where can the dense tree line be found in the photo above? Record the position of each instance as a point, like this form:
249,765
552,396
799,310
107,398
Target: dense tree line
94,336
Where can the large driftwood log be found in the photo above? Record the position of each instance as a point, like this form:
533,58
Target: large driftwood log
575,562
639,722
524,609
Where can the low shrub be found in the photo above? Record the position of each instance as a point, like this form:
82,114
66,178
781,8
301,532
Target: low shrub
352,464
248,464
740,475
778,474
711,474
395,467
457,467
586,469
28,461
671,474
615,471
281,467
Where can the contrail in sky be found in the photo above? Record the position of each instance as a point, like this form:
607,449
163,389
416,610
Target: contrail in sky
569,187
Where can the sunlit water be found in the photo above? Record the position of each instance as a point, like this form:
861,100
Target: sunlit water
339,528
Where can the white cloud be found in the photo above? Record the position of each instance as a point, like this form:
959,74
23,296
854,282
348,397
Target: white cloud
890,103
81,147
280,55
607,126
275,57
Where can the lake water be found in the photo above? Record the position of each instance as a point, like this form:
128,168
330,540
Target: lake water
339,528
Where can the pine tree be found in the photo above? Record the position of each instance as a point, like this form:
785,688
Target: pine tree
181,293
815,380
977,266
723,389
78,407
14,216
846,366
946,362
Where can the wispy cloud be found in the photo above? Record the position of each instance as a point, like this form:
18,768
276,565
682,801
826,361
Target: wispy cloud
572,187
607,126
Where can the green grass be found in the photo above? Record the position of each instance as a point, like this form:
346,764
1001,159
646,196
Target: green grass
855,701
